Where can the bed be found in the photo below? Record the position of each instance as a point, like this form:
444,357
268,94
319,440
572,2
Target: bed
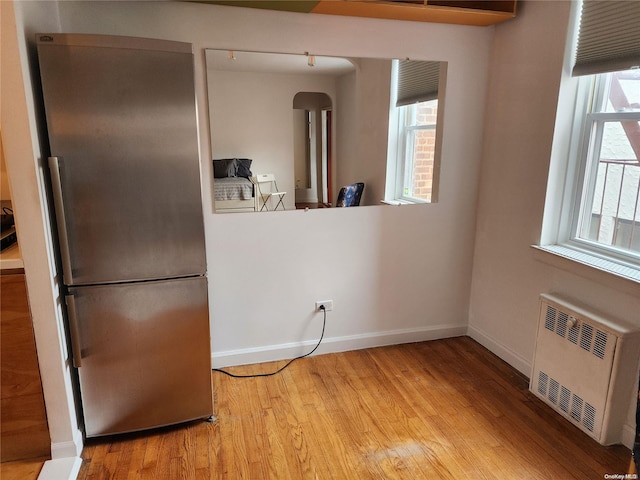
233,188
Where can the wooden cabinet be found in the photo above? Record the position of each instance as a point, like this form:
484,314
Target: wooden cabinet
462,12
23,425
478,13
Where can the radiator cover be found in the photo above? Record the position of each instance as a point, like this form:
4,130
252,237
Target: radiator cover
585,366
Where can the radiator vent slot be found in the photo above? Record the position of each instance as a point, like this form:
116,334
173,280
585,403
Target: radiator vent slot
543,380
586,337
589,417
550,322
573,335
565,396
578,367
600,345
563,318
553,391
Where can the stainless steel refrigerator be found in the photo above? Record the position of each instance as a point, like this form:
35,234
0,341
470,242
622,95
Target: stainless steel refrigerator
125,176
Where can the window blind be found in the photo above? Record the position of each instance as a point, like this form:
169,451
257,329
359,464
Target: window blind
417,81
609,37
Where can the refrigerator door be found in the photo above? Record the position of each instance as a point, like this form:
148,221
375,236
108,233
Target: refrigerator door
122,126
144,354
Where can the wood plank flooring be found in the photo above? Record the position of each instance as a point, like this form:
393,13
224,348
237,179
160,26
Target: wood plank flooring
445,409
24,432
21,469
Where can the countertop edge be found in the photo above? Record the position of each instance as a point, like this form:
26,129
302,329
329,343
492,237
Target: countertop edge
11,258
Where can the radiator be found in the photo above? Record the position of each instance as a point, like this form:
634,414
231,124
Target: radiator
585,366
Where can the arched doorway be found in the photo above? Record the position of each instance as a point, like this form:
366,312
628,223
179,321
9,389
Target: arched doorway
312,149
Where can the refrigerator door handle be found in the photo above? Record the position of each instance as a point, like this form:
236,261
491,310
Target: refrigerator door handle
74,331
55,164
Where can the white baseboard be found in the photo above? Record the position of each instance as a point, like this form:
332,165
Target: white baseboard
61,469
70,449
628,435
512,358
271,353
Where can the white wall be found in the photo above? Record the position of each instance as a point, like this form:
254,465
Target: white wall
395,273
508,275
368,161
5,189
25,166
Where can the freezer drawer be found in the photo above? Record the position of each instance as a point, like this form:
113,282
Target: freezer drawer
143,354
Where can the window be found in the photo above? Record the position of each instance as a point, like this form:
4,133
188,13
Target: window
592,215
416,151
417,93
606,213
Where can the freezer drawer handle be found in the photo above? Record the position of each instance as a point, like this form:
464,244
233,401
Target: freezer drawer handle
74,331
55,164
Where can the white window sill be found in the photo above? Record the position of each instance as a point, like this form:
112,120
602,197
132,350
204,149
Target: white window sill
589,266
402,202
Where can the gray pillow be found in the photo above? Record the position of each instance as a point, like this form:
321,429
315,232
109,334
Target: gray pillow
244,167
225,167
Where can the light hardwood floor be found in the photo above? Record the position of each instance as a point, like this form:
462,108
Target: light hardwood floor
445,409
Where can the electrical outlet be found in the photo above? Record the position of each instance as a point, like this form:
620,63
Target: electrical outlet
328,305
